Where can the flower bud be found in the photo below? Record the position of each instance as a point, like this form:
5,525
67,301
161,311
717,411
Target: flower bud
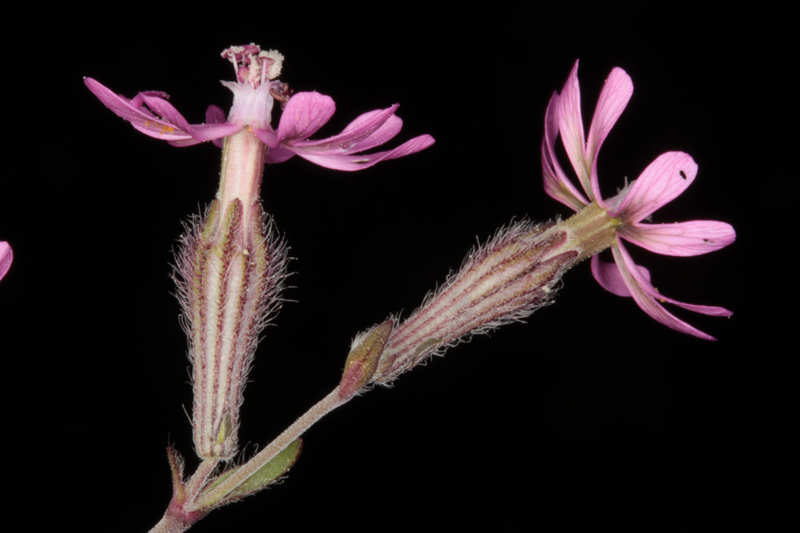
363,359
229,274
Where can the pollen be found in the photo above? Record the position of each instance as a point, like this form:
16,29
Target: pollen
273,63
164,128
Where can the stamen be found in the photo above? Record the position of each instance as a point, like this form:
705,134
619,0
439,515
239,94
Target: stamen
252,65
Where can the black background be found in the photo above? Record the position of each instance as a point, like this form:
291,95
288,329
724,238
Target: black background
591,413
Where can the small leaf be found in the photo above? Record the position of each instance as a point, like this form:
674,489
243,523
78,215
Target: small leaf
260,479
270,471
176,467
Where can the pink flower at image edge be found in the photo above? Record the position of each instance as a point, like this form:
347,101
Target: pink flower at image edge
6,257
661,182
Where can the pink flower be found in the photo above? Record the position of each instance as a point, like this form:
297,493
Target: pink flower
254,93
6,256
661,182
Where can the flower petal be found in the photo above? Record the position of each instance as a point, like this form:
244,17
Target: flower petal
162,108
681,239
359,162
279,154
648,288
609,277
266,136
305,113
660,183
355,137
208,132
139,117
646,295
385,132
556,183
6,257
571,126
161,120
615,95
215,115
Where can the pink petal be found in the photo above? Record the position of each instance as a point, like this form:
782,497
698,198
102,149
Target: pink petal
660,183
278,154
161,131
215,129
385,132
614,97
6,257
355,137
305,113
571,126
166,111
646,295
268,137
140,118
609,277
681,238
648,288
215,115
208,132
556,183
360,162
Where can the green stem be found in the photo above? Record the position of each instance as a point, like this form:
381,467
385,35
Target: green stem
291,434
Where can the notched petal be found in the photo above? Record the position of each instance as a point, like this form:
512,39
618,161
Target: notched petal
660,183
680,239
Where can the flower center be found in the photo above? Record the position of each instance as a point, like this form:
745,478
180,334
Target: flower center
255,87
252,65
